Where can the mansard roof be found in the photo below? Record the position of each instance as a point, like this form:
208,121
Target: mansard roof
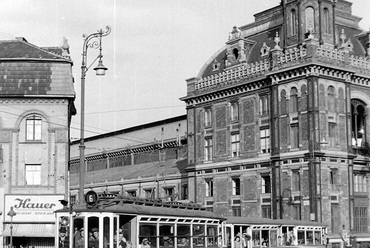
28,70
261,33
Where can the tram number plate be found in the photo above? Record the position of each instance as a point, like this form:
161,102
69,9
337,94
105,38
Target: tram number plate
91,197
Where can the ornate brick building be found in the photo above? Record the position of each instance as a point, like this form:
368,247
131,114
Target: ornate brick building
36,100
277,119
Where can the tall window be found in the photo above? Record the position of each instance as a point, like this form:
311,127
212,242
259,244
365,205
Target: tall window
293,22
332,134
326,21
296,211
360,182
264,105
184,192
33,174
208,149
33,128
294,136
296,179
235,186
265,183
310,19
265,140
237,211
331,99
209,188
360,225
207,117
235,145
334,179
358,123
234,111
293,100
266,211
335,218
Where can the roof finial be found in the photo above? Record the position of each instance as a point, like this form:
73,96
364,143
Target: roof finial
277,41
65,47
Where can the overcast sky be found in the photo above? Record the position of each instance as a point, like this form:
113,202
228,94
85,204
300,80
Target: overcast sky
154,46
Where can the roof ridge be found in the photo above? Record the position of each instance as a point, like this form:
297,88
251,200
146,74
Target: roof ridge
41,49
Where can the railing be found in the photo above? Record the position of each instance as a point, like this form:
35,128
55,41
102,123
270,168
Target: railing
329,53
360,62
242,71
290,55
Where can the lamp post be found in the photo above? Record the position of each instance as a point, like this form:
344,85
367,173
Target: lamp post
93,40
11,213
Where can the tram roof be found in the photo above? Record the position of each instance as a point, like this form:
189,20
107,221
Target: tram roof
265,221
134,209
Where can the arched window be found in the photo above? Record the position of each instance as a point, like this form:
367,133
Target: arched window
293,22
236,53
358,123
293,100
326,21
331,99
310,19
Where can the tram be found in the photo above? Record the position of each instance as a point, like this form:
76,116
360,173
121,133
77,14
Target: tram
126,222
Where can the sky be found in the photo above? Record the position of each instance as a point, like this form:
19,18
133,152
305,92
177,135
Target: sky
154,46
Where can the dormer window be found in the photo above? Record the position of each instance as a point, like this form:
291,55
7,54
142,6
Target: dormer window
215,65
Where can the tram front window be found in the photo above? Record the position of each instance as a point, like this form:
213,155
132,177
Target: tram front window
148,235
183,235
166,235
198,235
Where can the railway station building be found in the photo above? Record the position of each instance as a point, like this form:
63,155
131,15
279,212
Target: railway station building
36,102
275,127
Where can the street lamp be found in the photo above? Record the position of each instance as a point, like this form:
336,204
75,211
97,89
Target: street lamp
11,213
93,40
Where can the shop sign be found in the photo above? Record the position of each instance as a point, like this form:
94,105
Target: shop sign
32,208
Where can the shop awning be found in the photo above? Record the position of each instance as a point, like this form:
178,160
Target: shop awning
30,230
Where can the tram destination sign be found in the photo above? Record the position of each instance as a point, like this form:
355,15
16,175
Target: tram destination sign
32,208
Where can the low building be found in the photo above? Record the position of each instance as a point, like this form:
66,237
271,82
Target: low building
37,103
146,161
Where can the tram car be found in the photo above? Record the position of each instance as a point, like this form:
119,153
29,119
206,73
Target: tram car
126,222
110,221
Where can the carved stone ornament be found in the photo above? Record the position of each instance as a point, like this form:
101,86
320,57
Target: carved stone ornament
277,41
265,49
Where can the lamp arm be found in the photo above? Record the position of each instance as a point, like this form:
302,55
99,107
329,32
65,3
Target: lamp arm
93,41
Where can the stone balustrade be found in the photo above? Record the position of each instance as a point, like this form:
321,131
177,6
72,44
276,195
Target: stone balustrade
283,59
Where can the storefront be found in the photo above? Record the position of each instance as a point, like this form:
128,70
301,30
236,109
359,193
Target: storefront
33,222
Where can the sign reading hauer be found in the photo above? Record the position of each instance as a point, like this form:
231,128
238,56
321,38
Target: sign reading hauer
32,208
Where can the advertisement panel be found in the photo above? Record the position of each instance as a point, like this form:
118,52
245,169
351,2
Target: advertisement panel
32,208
